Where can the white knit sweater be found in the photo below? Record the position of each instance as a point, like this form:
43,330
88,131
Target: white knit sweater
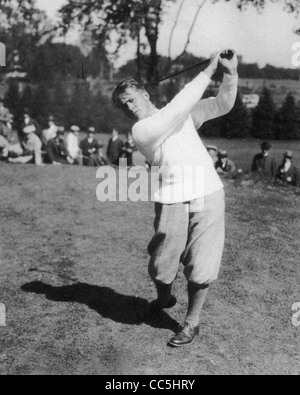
169,140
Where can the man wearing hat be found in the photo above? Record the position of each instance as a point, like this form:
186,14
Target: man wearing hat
213,152
225,167
287,172
73,145
92,150
263,163
30,151
56,149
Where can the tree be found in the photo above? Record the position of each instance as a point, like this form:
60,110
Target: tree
236,123
12,101
27,99
286,124
79,108
263,117
22,27
139,20
41,104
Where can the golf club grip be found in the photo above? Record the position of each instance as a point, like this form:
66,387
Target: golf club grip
225,55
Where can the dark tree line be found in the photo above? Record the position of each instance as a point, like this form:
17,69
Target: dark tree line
73,102
70,102
264,122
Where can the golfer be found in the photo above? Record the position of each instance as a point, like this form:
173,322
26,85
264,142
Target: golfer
190,210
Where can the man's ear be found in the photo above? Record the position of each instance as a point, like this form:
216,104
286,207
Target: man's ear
146,96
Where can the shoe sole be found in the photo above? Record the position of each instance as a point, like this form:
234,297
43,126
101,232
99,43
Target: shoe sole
172,345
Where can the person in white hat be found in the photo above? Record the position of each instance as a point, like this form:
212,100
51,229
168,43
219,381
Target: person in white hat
30,151
73,144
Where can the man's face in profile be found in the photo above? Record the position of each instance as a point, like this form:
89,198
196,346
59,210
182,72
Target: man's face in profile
135,103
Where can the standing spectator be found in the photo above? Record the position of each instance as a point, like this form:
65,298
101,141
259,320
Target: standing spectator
91,150
73,145
213,152
51,132
31,150
5,120
128,149
287,172
115,148
57,153
225,167
264,163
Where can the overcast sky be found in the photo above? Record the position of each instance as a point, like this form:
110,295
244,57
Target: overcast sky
265,38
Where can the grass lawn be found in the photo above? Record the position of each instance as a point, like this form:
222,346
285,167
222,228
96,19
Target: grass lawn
73,276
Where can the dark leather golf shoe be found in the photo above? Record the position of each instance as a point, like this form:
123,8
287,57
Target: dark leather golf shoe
185,336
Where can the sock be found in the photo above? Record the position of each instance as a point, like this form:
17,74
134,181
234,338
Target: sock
163,294
197,297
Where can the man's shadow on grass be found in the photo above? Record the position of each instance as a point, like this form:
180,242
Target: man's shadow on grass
128,310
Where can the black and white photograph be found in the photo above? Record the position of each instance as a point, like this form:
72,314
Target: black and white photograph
149,190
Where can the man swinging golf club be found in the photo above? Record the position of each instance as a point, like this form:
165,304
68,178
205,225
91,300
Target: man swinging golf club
189,226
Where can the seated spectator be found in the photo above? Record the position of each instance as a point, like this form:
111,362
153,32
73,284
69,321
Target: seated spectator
264,163
57,153
213,152
225,167
5,121
287,172
73,145
92,150
30,151
128,149
51,132
4,148
28,126
115,148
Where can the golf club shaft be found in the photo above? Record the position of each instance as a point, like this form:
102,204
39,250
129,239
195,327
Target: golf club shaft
228,55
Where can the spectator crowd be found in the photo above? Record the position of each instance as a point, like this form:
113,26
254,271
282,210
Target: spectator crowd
53,146
56,147
264,165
